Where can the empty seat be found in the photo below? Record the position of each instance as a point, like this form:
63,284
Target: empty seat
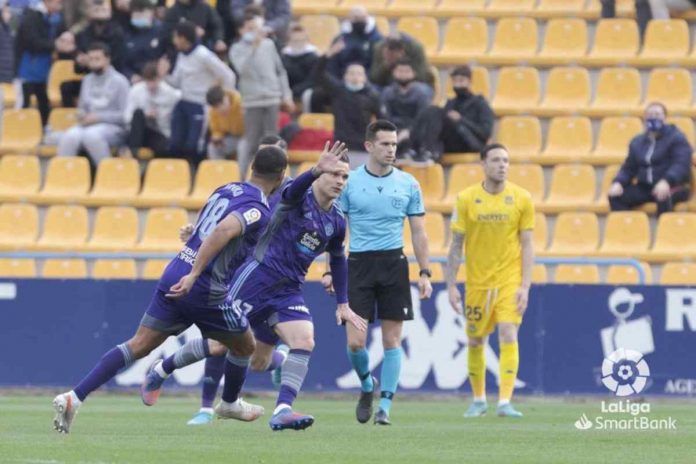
422,28
530,177
567,90
435,229
61,71
67,180
9,94
464,39
572,188
20,177
431,180
19,226
521,135
17,268
559,9
518,90
65,228
539,274
162,229
575,234
114,269
577,274
626,233
211,174
117,183
167,182
322,121
569,139
75,268
665,41
509,7
602,202
674,238
616,41
373,6
623,274
449,8
115,229
618,92
321,29
382,25
565,39
306,7
461,176
678,274
154,268
515,41
316,271
686,125
21,131
615,133
541,238
670,86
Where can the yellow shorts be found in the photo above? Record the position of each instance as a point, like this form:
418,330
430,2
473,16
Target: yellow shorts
487,307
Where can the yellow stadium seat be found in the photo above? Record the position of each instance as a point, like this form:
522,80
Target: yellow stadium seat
686,125
19,226
435,268
75,268
569,139
674,238
322,121
530,177
567,90
618,92
306,7
541,237
515,41
431,180
382,25
17,268
521,135
666,40
615,42
435,229
21,131
154,268
480,82
623,274
321,29
115,229
615,133
518,90
575,234
449,8
67,180
461,176
626,234
498,8
9,94
61,71
670,86
167,182
114,269
465,39
602,203
565,40
162,229
577,274
559,9
65,228
422,28
60,120
117,183
678,274
316,271
301,156
572,188
20,177
374,7
211,174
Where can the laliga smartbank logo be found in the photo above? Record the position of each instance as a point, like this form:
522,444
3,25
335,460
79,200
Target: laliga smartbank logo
625,373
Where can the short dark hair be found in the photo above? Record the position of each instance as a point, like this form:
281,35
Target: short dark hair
394,43
490,147
657,103
463,70
100,46
149,72
377,126
215,95
254,10
141,5
187,30
273,139
269,163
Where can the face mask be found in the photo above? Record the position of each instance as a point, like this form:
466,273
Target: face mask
462,91
359,27
403,82
355,87
141,23
249,36
97,71
654,124
100,22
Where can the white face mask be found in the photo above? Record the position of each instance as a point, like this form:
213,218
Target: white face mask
249,36
355,87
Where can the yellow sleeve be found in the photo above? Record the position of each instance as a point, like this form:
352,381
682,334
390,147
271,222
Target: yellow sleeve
527,216
217,130
458,222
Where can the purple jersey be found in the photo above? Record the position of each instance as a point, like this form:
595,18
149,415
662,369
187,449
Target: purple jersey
275,197
250,206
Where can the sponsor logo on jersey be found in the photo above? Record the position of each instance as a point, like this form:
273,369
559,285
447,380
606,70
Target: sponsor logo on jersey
309,241
252,215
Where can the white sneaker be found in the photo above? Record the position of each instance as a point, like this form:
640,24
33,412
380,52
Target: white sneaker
240,410
66,410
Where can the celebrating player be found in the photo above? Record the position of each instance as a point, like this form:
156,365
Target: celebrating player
496,218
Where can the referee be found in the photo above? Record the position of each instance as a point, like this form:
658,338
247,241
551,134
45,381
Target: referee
376,201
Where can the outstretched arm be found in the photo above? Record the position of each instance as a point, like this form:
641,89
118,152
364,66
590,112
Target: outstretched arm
327,162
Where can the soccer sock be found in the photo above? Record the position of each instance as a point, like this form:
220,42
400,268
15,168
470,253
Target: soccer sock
235,374
193,351
277,360
391,370
361,363
214,368
294,372
117,358
477,371
509,362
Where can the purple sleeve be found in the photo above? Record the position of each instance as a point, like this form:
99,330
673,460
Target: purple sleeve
296,191
339,273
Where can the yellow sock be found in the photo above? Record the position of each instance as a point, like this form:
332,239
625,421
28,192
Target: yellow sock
509,362
477,371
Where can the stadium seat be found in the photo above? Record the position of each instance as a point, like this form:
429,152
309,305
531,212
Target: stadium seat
678,273
19,226
530,177
74,268
465,39
616,42
521,135
60,120
615,133
308,7
167,182
435,268
422,28
686,125
61,71
461,176
374,7
559,9
480,83
666,40
518,90
9,94
67,180
211,174
301,156
117,183
17,268
65,228
162,230
539,274
602,203
382,24
567,90
114,269
449,8
321,29
431,180
617,93
321,121
541,237
569,139
435,229
115,229
626,234
674,238
20,177
154,268
21,131
672,87
316,271
575,234
623,274
565,40
577,274
572,188
502,8
515,41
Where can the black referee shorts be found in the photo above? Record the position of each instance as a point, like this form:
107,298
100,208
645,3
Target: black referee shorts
378,280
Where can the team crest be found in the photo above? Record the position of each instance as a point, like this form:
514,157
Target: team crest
508,200
397,203
329,229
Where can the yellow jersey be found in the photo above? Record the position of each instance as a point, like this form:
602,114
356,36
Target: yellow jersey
492,226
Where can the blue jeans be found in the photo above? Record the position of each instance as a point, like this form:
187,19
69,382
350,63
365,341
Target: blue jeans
187,127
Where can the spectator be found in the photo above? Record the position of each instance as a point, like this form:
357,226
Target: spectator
38,30
299,58
101,108
142,42
6,48
657,168
403,100
122,12
226,121
149,112
391,50
263,84
661,9
359,36
464,125
275,12
197,69
207,22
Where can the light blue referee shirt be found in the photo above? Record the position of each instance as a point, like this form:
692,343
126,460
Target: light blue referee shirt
376,208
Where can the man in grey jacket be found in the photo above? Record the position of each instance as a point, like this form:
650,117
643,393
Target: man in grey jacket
263,84
103,97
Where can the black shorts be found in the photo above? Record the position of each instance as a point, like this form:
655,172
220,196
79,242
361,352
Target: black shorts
379,280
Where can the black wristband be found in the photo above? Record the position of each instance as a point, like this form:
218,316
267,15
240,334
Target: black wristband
325,274
425,272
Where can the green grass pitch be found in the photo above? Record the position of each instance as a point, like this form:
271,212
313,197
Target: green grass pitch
118,429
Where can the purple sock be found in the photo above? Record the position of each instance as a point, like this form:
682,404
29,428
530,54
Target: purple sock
294,372
235,374
214,368
117,358
277,360
192,352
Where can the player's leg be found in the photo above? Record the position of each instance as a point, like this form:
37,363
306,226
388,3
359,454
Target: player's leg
508,320
269,355
479,323
360,360
391,368
212,373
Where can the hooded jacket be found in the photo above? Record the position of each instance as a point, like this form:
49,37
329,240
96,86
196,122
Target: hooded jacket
359,47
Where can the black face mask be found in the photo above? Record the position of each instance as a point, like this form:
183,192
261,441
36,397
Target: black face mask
98,71
462,91
359,27
403,82
100,22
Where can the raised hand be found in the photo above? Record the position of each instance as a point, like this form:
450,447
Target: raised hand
330,157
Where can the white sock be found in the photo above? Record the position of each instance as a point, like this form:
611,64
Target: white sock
480,399
503,402
207,410
75,400
160,371
280,407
